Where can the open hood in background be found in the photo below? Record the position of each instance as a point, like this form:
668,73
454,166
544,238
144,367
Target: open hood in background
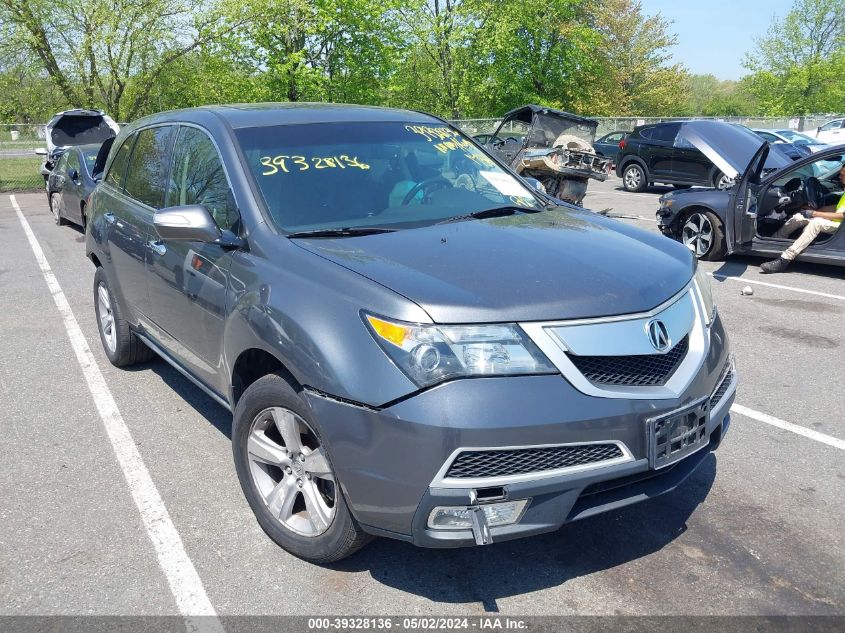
79,127
730,147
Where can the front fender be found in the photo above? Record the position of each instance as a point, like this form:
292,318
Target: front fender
305,311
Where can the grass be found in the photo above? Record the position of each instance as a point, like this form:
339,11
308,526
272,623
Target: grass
20,173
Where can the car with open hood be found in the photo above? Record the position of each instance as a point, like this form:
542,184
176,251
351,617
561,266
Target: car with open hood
73,128
414,342
745,218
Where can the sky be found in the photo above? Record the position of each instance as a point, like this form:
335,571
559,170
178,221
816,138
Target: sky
714,35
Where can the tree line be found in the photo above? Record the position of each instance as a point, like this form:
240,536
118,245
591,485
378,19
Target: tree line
456,58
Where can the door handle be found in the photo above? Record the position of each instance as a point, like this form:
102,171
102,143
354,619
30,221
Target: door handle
157,247
109,217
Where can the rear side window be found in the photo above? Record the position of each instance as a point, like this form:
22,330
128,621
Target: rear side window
148,167
117,170
197,177
665,133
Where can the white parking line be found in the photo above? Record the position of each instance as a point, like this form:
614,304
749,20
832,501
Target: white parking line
789,426
779,286
185,583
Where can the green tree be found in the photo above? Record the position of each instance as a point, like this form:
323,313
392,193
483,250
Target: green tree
94,51
797,66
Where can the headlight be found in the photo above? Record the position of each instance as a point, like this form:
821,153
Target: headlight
705,293
429,354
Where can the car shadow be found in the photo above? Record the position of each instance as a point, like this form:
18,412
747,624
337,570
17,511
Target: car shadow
661,189
219,417
502,570
737,265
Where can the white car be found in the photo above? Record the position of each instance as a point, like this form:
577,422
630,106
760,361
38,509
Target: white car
831,132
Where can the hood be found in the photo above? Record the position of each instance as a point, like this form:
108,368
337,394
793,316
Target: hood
730,147
558,264
79,127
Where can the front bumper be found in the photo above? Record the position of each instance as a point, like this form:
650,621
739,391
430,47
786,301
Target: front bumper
388,460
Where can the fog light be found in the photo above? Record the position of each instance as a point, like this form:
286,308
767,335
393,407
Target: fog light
460,517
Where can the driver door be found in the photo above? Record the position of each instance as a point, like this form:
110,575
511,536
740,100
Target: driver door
743,204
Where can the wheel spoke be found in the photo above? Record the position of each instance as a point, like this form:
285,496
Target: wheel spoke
288,426
317,464
281,499
103,294
265,450
319,514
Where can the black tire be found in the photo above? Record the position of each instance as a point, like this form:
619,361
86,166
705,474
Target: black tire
343,536
634,178
56,209
716,248
128,348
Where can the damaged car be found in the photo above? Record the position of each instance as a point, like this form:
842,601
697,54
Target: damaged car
552,146
769,189
73,128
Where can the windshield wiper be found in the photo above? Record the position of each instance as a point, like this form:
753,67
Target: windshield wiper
347,231
492,212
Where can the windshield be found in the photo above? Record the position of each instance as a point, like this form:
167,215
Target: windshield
385,174
796,138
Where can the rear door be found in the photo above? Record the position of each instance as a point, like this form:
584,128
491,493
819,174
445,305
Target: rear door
188,279
658,149
124,231
690,164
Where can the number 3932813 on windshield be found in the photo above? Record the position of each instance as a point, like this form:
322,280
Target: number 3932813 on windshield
293,163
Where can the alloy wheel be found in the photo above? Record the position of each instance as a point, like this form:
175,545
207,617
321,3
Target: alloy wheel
697,234
724,182
291,473
633,178
107,325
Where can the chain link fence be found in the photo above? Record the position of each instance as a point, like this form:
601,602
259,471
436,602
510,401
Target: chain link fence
20,166
626,124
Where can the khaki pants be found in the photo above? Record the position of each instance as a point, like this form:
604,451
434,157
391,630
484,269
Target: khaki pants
812,229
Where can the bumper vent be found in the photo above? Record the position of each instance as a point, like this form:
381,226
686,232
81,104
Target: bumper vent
502,463
646,370
723,387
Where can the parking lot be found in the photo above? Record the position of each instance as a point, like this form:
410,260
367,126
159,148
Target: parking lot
757,530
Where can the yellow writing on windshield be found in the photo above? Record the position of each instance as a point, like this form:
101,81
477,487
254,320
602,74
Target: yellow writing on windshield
294,163
449,141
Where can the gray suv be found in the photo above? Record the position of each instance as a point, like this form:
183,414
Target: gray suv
413,341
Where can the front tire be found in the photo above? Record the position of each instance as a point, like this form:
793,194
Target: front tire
120,344
286,475
634,178
702,233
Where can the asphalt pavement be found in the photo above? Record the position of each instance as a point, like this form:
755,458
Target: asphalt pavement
757,530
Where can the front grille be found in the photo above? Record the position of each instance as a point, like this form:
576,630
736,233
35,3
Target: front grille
723,387
642,370
499,463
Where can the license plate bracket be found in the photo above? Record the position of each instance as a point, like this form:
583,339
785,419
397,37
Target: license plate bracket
677,434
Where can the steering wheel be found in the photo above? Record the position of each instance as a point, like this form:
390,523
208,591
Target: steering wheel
438,182
814,192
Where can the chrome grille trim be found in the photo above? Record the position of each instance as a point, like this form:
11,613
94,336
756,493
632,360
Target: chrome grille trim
547,336
442,480
725,384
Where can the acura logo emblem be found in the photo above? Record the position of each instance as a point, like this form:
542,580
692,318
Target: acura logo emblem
658,335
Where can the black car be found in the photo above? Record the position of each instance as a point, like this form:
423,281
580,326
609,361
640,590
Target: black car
660,152
71,182
608,145
744,219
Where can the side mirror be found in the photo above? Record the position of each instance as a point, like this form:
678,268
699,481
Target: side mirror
818,129
188,223
535,183
41,151
73,175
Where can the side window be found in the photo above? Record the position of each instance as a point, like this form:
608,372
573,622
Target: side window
197,177
768,137
148,165
61,164
117,170
646,132
833,125
72,161
615,138
665,133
